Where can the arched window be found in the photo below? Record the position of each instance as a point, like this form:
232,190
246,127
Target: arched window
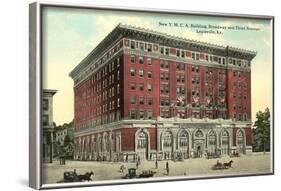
105,143
167,139
142,140
240,138
225,138
183,139
212,139
199,134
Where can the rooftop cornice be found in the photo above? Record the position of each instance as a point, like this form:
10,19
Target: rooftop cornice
138,33
49,91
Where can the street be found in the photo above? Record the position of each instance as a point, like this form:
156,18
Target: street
246,164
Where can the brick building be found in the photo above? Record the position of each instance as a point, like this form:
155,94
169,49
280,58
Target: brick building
47,125
141,93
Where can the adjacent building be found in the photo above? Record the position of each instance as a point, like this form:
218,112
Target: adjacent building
146,94
47,124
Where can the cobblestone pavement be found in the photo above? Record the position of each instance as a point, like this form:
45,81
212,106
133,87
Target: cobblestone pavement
246,164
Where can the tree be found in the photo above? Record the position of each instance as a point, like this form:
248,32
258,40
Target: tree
261,131
67,140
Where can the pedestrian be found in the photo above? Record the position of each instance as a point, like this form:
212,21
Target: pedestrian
168,171
137,164
167,168
127,157
156,164
139,159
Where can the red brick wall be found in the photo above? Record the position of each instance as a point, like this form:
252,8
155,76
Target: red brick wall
128,139
153,138
154,81
234,131
248,132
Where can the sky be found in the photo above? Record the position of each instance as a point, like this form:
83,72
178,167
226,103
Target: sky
70,34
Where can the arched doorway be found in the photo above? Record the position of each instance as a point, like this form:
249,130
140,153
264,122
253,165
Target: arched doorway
167,144
225,142
142,145
184,143
212,142
240,141
199,141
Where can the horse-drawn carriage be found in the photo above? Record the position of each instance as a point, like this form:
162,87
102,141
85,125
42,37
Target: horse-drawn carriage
72,176
222,166
145,174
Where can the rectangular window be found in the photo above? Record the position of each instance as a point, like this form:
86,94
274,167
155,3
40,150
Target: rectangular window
162,50
149,87
149,100
133,85
149,114
140,73
166,51
45,104
197,56
45,119
141,114
132,59
207,57
118,62
112,91
133,45
148,61
162,76
132,72
193,55
133,100
178,53
178,78
141,86
182,54
162,64
141,100
166,76
162,102
133,114
149,74
149,47
112,78
140,60
141,45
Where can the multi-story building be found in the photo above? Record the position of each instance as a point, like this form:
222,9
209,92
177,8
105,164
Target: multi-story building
47,124
146,94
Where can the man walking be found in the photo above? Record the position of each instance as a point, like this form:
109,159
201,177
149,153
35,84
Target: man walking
167,168
156,164
137,164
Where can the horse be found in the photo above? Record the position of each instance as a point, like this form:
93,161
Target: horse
86,176
228,164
